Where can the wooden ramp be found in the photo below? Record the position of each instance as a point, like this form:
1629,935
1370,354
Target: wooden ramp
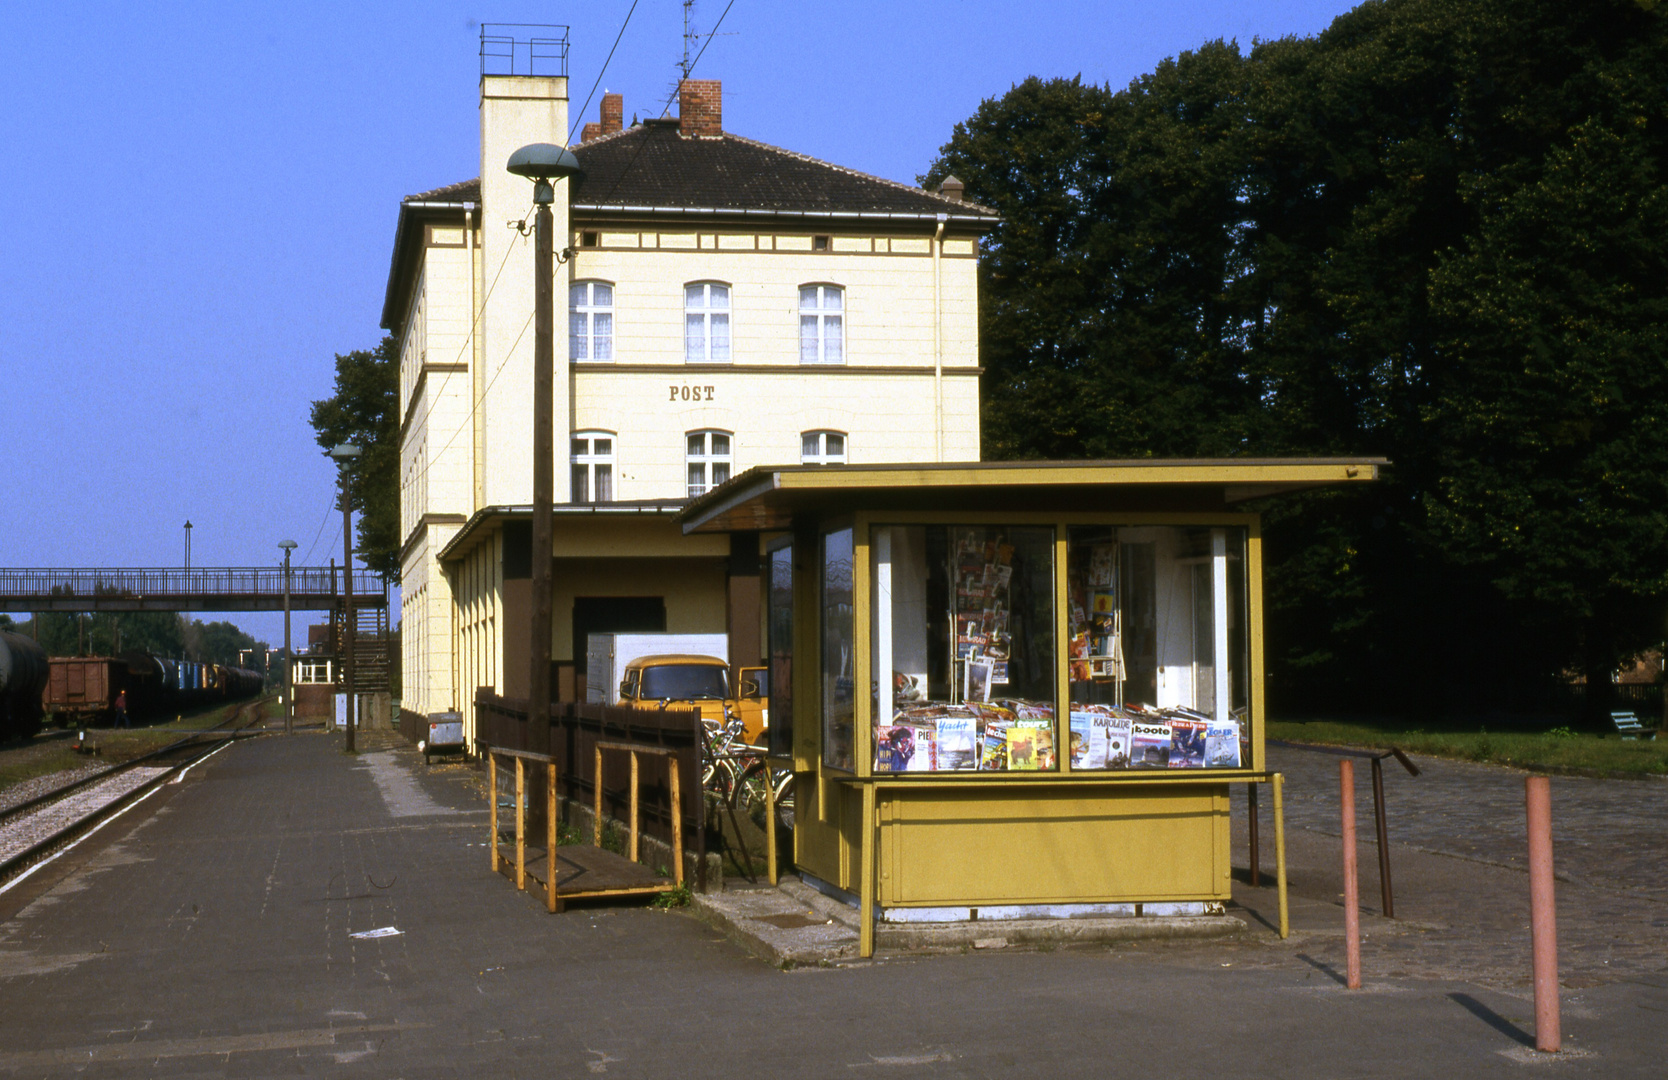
584,872
581,872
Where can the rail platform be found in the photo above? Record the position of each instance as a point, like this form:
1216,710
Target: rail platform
286,909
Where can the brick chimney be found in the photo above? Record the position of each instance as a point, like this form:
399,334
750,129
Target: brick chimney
589,132
613,112
700,108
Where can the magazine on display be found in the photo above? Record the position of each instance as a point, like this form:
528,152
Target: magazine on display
1187,742
1149,744
957,738
1222,745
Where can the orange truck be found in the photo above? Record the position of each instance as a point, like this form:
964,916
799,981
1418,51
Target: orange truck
702,681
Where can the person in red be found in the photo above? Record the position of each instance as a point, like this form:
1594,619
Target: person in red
121,709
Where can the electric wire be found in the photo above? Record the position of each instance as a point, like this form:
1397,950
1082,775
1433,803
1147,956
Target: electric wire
475,403
665,108
583,109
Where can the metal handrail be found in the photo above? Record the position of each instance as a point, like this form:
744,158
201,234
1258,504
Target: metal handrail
304,581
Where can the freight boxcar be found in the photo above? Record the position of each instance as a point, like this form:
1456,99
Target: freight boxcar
83,689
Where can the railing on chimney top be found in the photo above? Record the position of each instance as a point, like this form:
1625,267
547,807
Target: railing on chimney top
524,49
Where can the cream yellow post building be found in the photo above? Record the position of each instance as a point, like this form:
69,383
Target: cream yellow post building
731,305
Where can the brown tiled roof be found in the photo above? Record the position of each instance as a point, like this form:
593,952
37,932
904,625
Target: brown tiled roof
651,165
462,191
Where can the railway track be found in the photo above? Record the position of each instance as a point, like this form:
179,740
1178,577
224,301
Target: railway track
32,831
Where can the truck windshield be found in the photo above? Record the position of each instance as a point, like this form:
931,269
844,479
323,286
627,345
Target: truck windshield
683,682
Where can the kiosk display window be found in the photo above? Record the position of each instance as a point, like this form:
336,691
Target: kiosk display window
962,648
779,626
838,659
1156,651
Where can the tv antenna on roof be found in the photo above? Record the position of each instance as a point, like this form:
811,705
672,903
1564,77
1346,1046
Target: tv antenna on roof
692,38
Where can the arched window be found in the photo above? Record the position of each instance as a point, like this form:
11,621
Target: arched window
593,466
822,448
591,321
706,323
708,458
822,336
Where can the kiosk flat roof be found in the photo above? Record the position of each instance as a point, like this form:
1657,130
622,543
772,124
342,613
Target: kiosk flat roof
768,497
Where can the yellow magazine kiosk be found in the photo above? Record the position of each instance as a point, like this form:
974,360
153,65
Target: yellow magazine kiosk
1020,689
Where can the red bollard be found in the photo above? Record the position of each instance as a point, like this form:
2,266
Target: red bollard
1352,897
1543,912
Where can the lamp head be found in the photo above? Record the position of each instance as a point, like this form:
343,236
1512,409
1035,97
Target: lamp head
543,163
288,545
344,451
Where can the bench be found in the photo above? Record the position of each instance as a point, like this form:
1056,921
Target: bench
1629,726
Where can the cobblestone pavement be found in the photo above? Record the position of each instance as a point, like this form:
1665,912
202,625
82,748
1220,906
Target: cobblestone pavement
1607,833
1458,868
211,933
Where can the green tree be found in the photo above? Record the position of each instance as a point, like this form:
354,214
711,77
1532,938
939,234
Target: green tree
1410,236
1553,448
364,409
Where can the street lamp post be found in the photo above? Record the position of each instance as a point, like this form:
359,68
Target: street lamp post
344,453
542,163
188,545
289,720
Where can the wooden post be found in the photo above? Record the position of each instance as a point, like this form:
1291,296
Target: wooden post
770,824
550,840
492,806
596,823
633,806
1543,913
1280,854
1352,897
677,819
866,880
520,825
1256,848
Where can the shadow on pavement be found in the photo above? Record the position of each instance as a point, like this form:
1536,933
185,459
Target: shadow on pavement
1324,968
1492,1019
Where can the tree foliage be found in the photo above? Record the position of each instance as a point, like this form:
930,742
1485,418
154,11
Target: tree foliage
1433,232
364,410
163,633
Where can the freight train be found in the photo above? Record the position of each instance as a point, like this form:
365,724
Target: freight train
83,689
23,678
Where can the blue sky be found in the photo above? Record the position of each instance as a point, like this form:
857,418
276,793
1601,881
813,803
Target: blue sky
201,201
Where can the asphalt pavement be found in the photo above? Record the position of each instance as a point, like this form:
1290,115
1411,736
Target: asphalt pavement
210,932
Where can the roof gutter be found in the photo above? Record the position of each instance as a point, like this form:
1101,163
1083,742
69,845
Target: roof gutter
836,215
389,319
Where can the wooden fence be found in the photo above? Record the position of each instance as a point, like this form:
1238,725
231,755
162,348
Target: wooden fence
571,739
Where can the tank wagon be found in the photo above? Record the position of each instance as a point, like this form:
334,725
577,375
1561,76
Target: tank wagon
23,675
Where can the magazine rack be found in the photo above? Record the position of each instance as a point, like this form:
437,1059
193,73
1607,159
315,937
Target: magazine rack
1017,690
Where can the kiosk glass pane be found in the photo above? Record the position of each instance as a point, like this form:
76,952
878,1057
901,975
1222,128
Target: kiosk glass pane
779,599
963,625
839,665
1158,653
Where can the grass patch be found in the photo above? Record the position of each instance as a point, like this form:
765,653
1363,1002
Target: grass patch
53,751
676,896
1558,750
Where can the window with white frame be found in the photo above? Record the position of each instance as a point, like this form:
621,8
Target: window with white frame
593,466
591,321
822,331
706,323
708,458
311,671
822,448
